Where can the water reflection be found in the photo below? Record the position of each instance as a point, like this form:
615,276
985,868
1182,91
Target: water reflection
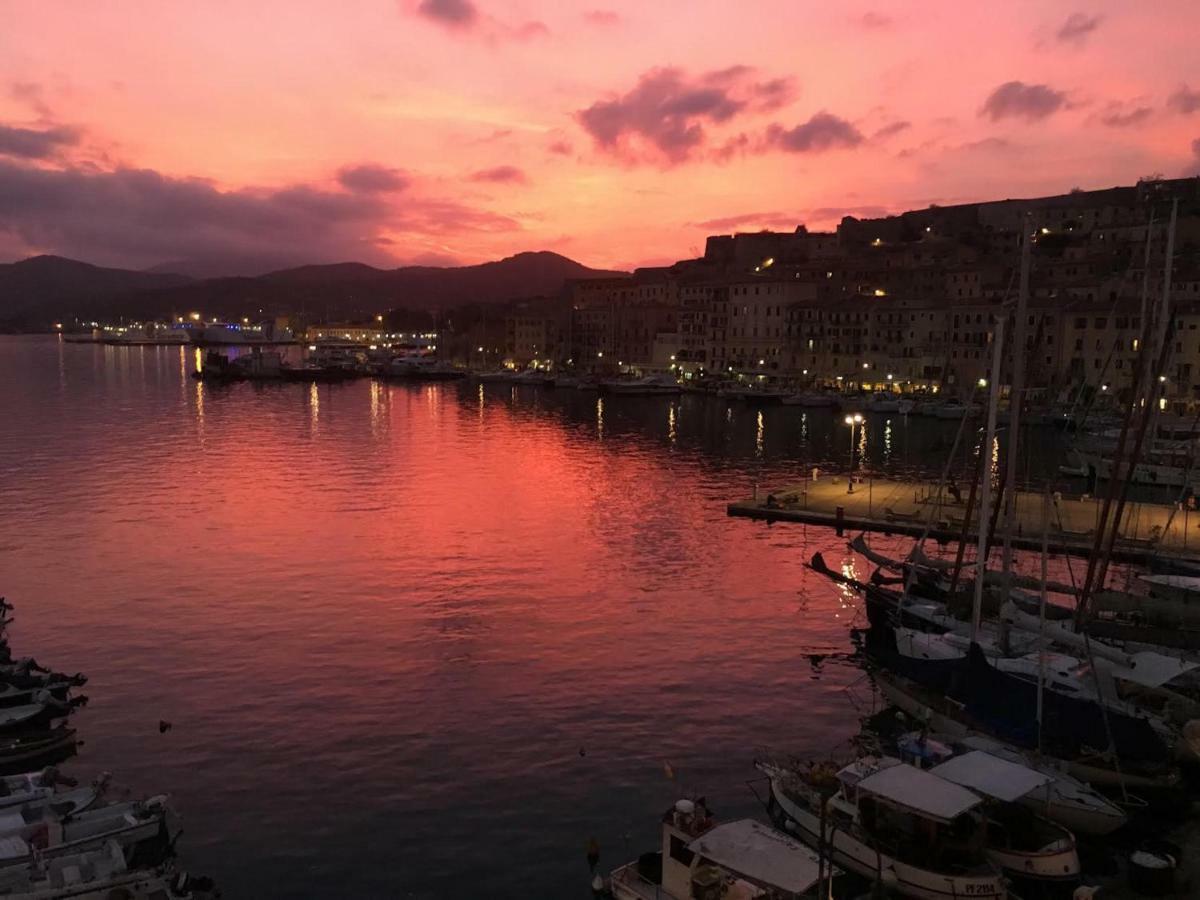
759,435
671,433
887,441
314,408
600,418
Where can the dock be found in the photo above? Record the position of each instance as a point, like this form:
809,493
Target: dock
1157,530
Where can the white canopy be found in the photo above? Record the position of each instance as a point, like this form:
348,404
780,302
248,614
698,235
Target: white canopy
760,854
991,775
920,791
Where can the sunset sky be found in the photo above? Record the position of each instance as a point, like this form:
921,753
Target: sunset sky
617,133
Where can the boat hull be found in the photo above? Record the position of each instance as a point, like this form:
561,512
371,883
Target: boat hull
856,856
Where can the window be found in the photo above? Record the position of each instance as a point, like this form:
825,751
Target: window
680,852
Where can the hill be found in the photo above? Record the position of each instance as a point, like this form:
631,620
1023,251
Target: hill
338,291
46,286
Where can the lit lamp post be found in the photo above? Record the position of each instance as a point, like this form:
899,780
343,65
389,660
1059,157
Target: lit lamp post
852,421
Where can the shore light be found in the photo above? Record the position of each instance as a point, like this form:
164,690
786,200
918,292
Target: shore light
982,382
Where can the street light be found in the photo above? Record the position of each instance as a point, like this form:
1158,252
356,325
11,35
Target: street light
852,421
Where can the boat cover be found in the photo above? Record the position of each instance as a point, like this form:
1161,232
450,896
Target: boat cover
990,775
760,854
920,791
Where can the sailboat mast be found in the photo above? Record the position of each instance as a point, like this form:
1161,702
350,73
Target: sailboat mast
985,478
1014,399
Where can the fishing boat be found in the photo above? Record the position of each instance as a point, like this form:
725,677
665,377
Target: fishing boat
1059,797
142,828
19,752
35,788
918,835
702,860
99,874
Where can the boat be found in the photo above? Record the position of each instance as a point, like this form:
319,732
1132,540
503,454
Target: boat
16,718
919,835
1059,798
651,385
904,406
812,400
19,752
239,333
883,402
142,828
565,381
951,409
99,874
34,788
415,367
537,377
501,376
1085,762
703,860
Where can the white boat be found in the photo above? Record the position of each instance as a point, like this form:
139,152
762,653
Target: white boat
1162,468
99,874
951,409
921,835
904,406
1059,798
537,377
236,333
812,400
700,859
883,402
651,385
43,833
39,788
421,368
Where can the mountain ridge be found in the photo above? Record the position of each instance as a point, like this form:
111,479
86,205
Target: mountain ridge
42,289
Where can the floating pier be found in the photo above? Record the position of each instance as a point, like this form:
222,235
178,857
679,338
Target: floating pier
1157,530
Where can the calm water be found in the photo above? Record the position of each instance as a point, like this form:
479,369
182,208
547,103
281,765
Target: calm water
419,641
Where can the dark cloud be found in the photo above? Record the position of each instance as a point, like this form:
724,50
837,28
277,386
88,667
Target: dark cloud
1194,169
1115,116
874,21
562,148
761,220
371,177
1184,100
30,143
500,175
824,131
889,130
668,110
149,217
602,17
1016,99
1077,28
451,13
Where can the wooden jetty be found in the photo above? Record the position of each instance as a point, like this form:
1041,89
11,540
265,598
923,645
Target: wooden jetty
908,507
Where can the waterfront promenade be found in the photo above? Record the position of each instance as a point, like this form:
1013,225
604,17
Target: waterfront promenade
909,507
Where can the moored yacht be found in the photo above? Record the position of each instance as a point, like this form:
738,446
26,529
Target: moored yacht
920,835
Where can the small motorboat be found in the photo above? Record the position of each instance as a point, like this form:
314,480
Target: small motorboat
19,752
700,859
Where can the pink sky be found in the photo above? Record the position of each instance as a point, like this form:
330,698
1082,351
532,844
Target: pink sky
616,133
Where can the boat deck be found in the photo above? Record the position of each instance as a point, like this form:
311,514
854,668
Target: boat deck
907,507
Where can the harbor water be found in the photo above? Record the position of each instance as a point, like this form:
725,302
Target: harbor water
423,640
